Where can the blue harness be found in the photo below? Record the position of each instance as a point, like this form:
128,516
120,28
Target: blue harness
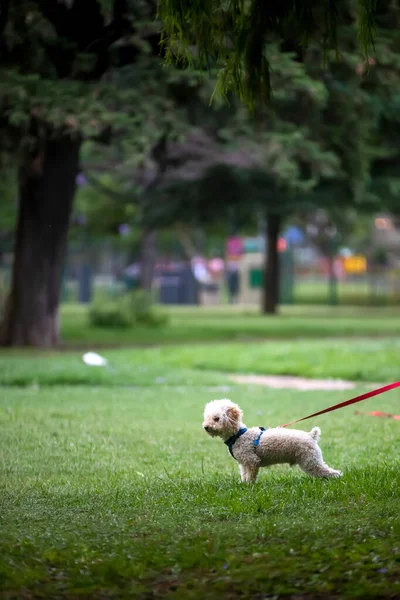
231,442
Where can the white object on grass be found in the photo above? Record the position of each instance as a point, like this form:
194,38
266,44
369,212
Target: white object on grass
94,360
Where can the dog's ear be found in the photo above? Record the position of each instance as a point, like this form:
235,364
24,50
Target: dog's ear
234,413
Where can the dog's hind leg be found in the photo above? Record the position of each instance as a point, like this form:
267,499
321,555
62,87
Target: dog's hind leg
316,467
319,470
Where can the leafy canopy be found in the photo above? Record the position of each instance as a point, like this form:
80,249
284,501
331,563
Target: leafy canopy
234,34
83,69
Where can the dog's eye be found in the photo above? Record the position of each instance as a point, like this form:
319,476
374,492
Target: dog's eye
216,419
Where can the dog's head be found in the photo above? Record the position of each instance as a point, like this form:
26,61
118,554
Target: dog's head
222,418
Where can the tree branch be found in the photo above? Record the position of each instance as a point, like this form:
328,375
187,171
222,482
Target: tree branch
4,6
83,24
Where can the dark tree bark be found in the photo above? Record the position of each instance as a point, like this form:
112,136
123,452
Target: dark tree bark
151,180
271,278
46,193
4,6
333,291
148,256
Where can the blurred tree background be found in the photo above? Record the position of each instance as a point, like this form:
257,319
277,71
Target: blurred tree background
304,128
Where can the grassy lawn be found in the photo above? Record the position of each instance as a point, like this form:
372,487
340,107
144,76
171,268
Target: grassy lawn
109,488
117,493
370,360
233,323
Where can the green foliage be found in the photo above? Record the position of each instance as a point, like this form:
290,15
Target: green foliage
383,87
133,309
103,205
140,109
144,311
110,313
321,127
61,87
283,160
320,124
317,138
234,35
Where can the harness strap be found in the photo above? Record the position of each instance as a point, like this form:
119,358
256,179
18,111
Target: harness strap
233,439
257,440
230,443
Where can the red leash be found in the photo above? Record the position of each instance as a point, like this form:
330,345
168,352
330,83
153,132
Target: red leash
381,390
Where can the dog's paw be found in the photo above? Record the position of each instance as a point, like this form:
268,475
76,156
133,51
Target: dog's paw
337,474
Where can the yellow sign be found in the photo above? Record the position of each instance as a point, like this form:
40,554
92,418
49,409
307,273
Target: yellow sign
355,264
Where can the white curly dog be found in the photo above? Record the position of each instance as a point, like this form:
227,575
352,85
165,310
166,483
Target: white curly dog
256,447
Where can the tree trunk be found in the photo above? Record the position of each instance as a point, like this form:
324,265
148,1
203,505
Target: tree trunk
148,260
271,278
148,250
46,193
333,291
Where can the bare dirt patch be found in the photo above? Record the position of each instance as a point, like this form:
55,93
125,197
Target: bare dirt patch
297,383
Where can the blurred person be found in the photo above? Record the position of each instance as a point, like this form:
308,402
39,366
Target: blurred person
232,281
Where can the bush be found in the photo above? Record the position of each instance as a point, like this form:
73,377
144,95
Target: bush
134,308
144,310
108,313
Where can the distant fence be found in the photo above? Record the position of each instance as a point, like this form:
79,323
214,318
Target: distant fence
379,286
95,268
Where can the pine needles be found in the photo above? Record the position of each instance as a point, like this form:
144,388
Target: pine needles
233,34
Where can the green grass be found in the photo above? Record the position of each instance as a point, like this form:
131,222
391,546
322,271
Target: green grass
371,360
235,324
353,359
116,492
109,488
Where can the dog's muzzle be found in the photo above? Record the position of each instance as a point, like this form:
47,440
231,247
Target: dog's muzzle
207,428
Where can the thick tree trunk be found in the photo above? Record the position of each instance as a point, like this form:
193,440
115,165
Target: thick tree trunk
148,260
46,193
271,278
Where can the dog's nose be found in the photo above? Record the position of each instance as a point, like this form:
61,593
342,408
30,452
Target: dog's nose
207,428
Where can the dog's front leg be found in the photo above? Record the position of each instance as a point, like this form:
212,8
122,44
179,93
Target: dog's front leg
249,472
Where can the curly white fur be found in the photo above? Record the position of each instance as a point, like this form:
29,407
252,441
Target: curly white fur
223,418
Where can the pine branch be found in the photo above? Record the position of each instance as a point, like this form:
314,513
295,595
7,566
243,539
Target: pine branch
233,34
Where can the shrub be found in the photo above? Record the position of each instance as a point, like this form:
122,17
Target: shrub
144,311
133,308
109,313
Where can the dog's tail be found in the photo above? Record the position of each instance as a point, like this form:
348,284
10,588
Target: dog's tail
315,433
